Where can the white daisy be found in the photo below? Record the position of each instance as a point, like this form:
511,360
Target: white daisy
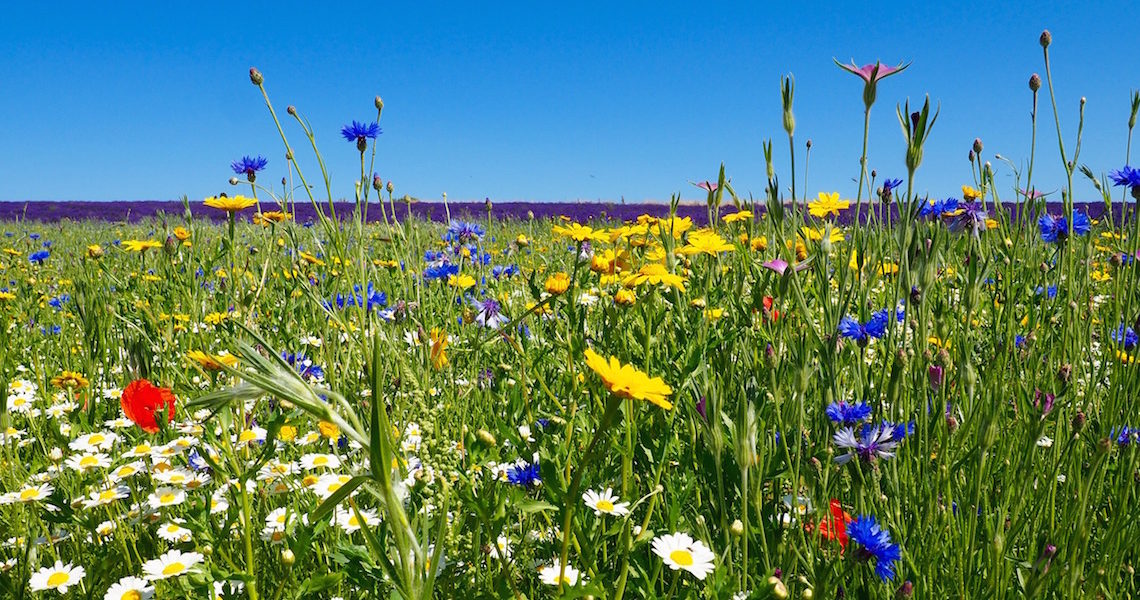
605,503
88,462
166,496
350,523
316,461
105,497
57,577
552,575
171,564
679,551
174,532
130,588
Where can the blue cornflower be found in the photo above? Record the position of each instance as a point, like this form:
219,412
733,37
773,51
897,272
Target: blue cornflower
1055,228
58,302
874,543
936,208
440,271
875,327
876,442
1126,177
1126,436
971,218
490,313
360,133
459,232
843,413
898,431
501,271
1050,292
1019,340
1125,336
523,473
889,186
39,256
34,236
249,166
304,366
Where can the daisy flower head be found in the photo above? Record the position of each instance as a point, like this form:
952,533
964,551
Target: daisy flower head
57,577
682,552
171,564
130,588
554,574
166,496
605,503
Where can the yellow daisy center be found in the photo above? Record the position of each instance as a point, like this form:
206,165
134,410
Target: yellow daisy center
604,506
321,460
58,578
96,439
166,498
174,568
131,595
681,557
29,494
88,461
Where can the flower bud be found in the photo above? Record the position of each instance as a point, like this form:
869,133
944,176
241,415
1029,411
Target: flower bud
292,110
486,437
287,557
206,550
978,145
809,144
389,186
807,594
970,155
737,528
234,181
915,295
1079,420
1034,82
255,76
1065,373
906,590
1046,38
377,183
379,103
56,454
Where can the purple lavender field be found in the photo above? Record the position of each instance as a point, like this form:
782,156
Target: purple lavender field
141,210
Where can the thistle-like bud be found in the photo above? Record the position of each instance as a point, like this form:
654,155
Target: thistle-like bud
1034,82
1046,38
255,76
1083,101
377,183
389,186
379,103
1079,421
977,145
292,110
906,590
809,141
234,181
970,155
1065,373
487,205
874,173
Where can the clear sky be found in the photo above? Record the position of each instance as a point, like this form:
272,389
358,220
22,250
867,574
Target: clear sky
541,101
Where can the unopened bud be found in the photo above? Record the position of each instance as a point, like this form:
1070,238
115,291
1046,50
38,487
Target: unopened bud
1034,82
1046,39
809,144
234,181
1065,373
292,110
970,155
287,557
737,528
486,437
377,183
390,187
906,590
255,76
978,145
379,103
1079,420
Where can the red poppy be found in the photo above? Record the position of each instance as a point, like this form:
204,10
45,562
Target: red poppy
769,303
142,399
835,527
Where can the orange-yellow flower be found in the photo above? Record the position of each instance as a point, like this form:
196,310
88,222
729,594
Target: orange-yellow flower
557,283
706,241
827,204
229,204
625,381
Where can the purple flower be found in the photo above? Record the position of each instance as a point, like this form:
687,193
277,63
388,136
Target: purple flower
871,75
936,374
1043,401
971,218
1125,336
524,474
1126,177
879,442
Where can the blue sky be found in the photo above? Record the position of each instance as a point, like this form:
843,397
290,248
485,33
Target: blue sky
541,101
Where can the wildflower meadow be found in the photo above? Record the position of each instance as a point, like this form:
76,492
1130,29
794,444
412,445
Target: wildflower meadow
798,394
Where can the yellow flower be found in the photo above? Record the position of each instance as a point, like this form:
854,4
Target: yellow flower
181,233
461,281
625,297
287,433
312,260
230,205
828,204
706,241
625,381
888,268
522,240
557,283
272,216
140,245
7,295
714,314
212,362
655,274
94,251
814,235
329,430
438,348
969,194
743,215
677,226
759,244
580,233
69,380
